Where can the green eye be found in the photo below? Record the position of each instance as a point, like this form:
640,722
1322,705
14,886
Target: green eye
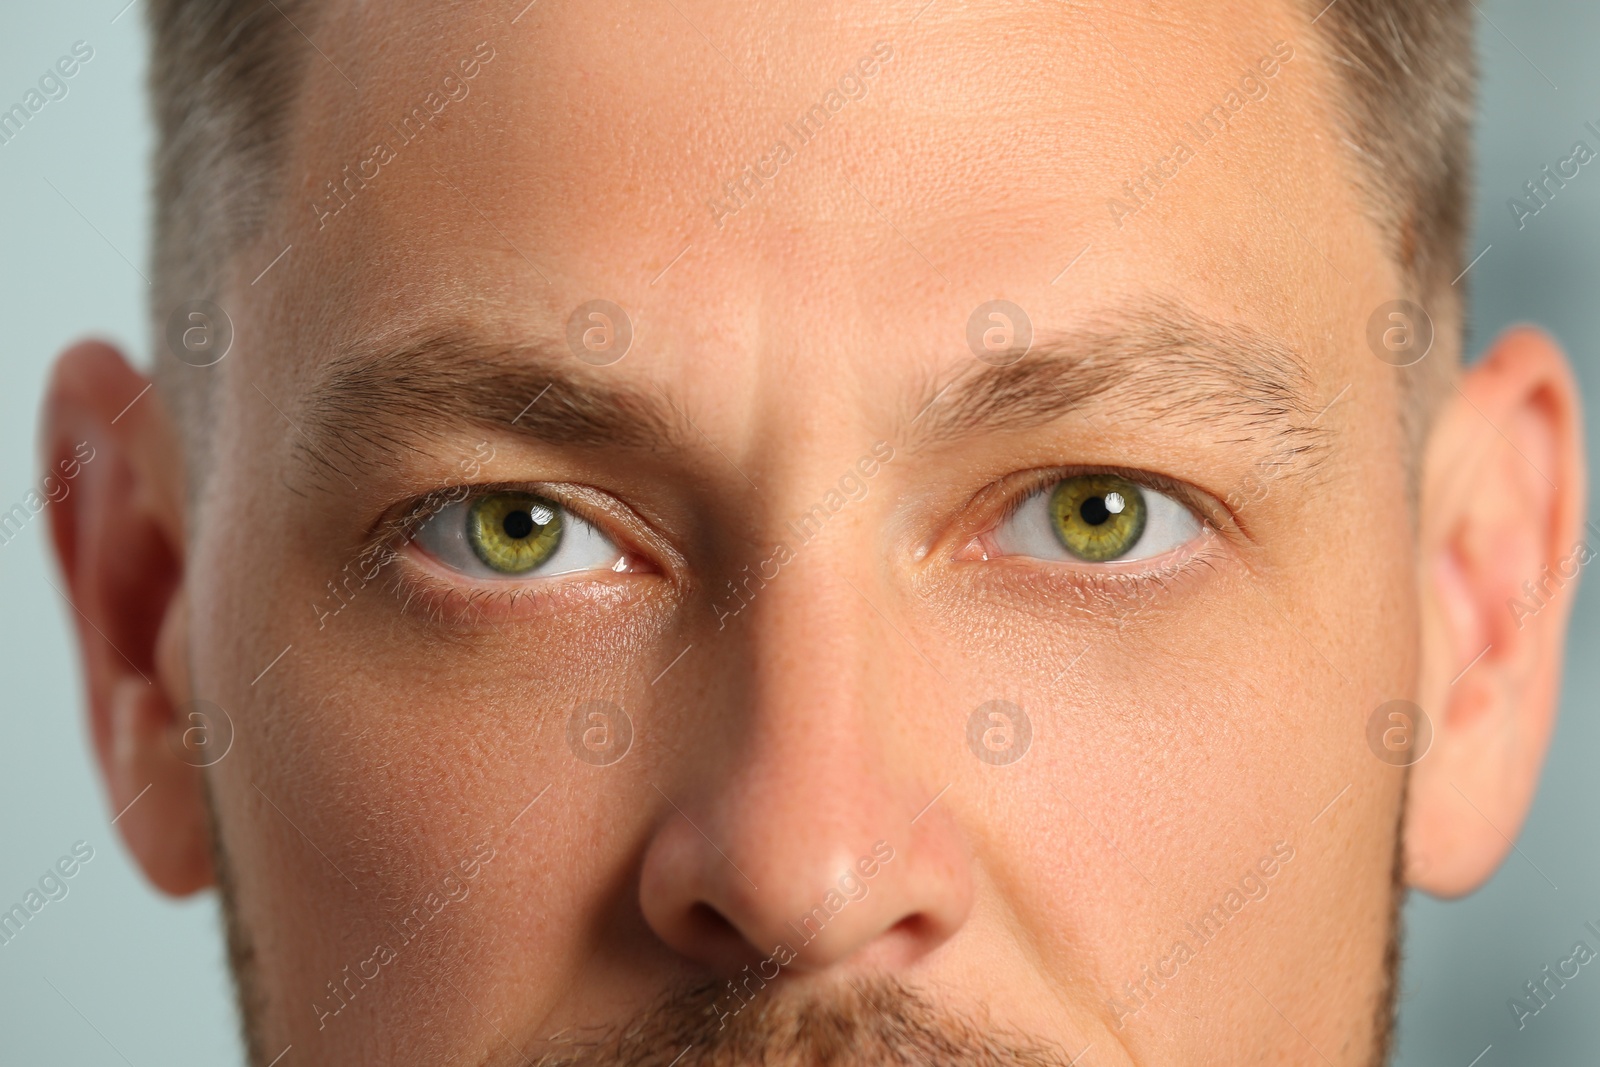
1097,517
512,533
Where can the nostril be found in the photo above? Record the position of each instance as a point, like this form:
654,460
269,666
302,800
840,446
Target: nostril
706,921
818,904
908,940
708,926
913,927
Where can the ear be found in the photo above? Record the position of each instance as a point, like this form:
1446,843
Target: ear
118,536
1502,539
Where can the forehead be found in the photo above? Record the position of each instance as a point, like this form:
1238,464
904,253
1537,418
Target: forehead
831,188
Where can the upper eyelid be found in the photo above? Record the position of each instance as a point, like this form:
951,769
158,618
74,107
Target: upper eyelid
620,524
420,509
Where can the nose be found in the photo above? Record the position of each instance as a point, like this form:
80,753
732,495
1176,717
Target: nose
807,837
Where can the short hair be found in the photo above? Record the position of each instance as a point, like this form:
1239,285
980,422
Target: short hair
224,75
1409,74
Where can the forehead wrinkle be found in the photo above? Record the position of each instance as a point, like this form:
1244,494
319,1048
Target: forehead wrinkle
1160,361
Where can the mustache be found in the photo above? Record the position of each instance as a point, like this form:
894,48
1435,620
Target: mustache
866,1022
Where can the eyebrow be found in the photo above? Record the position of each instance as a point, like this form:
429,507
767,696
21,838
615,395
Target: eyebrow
1159,361
373,400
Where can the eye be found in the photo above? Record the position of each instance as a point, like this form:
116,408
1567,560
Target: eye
515,535
1096,518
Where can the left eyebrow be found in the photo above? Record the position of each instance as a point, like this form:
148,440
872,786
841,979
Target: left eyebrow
1161,361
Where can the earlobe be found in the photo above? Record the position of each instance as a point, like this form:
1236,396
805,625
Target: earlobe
159,798
1501,535
118,536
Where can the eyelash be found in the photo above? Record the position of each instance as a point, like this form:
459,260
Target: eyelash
452,602
455,603
1102,581
1036,481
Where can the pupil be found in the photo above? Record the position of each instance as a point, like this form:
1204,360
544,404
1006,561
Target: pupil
517,525
1094,511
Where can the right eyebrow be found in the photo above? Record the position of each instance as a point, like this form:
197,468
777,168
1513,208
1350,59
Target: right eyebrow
368,402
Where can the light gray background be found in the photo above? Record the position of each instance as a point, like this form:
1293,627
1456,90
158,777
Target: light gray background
115,973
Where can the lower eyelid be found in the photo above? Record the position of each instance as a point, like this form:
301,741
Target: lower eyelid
1102,589
425,586
1116,569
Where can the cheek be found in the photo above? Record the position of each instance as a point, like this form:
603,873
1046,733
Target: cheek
1178,736
376,754
393,765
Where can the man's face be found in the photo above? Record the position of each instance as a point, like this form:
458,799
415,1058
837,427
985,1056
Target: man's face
853,677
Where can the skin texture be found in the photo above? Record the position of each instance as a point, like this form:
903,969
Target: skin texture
1195,719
